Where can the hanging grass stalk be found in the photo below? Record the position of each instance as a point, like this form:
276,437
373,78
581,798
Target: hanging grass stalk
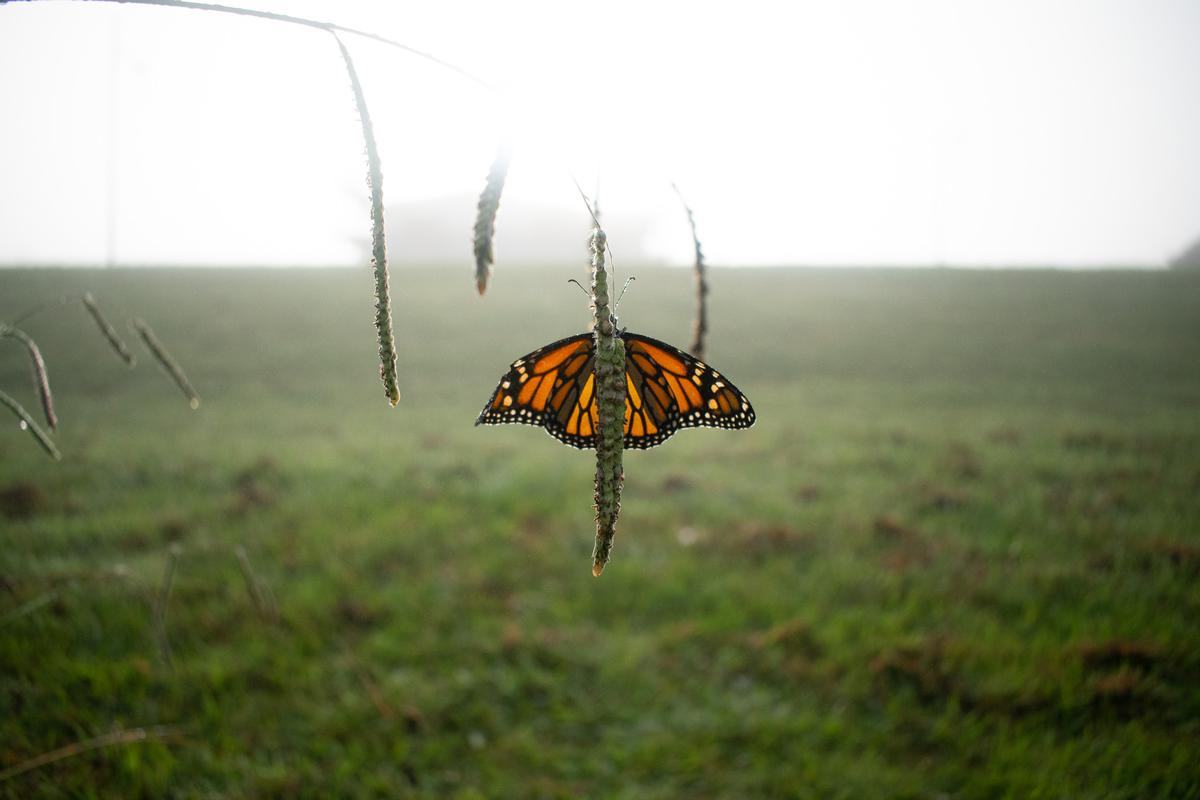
160,606
700,324
260,593
110,333
169,364
28,423
610,404
41,381
383,303
485,219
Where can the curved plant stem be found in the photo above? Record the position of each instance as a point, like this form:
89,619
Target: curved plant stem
97,743
332,27
383,303
31,425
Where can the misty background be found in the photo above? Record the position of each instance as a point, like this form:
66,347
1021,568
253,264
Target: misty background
937,132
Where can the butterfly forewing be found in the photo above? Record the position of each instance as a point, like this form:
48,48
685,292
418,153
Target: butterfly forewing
665,390
544,388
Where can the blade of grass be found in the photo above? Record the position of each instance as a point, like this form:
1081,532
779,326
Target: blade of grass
156,732
160,605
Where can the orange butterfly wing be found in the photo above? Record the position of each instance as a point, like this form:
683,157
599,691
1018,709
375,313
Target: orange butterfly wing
552,388
665,390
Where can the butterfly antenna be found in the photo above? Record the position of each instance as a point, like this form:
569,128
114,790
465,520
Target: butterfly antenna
628,281
580,285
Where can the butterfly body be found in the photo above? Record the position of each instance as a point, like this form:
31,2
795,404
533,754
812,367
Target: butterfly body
665,389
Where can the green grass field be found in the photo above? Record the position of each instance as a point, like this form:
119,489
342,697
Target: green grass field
957,557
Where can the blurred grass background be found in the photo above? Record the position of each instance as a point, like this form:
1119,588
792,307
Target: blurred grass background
956,557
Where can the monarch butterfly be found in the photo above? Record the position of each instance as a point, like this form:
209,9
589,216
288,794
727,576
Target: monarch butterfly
665,390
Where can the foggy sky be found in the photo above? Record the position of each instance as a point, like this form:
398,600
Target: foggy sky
970,133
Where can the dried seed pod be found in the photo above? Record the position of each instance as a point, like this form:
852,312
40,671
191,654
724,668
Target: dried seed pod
485,219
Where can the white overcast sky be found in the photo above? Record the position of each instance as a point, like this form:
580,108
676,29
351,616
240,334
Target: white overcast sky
934,131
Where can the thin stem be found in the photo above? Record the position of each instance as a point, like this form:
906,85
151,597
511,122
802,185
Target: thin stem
160,606
29,607
383,303
332,27
700,324
260,594
97,743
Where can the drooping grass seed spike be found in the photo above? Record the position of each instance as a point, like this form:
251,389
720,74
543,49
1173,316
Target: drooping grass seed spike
383,303
168,363
28,423
609,389
700,324
108,331
41,381
485,219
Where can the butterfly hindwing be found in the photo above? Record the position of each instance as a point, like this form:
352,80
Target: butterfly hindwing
665,389
668,389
